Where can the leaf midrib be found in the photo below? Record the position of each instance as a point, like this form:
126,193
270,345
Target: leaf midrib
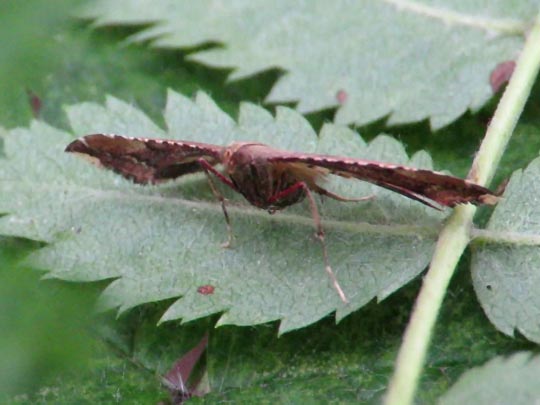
246,210
487,236
447,16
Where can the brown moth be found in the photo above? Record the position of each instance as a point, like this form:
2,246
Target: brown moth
269,178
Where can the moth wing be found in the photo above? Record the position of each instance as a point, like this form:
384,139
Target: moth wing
425,186
145,160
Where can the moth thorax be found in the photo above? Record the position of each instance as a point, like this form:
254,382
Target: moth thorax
260,181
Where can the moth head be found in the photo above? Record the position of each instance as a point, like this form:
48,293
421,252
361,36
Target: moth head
80,148
238,154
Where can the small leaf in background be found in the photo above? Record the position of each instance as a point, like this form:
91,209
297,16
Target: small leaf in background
503,380
179,379
163,241
406,60
506,260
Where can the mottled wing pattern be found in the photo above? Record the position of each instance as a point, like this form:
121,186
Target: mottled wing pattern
421,185
145,160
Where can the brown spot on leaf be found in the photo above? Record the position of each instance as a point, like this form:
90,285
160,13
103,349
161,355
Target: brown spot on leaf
206,289
341,96
501,74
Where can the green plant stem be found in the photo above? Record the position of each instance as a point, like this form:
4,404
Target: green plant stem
455,235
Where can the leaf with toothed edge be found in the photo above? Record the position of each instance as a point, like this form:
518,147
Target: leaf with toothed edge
401,59
268,178
506,258
163,241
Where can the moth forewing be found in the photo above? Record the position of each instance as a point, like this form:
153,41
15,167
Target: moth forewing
146,160
425,186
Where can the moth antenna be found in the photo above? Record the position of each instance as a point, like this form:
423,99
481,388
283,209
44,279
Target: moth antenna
322,191
409,194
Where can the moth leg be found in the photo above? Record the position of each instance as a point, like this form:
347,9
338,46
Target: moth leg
208,170
323,191
318,226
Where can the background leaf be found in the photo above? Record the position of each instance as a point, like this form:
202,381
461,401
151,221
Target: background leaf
505,263
501,380
407,60
163,242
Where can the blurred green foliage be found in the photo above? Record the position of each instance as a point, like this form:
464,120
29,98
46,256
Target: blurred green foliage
28,52
44,339
43,324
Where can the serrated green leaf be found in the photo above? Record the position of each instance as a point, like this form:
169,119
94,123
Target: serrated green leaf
160,242
403,59
506,259
510,380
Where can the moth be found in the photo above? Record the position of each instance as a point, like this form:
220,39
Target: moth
270,178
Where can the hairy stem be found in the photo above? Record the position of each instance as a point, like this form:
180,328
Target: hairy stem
455,235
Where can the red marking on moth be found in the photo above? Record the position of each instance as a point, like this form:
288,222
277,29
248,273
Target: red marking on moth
206,289
342,96
501,74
